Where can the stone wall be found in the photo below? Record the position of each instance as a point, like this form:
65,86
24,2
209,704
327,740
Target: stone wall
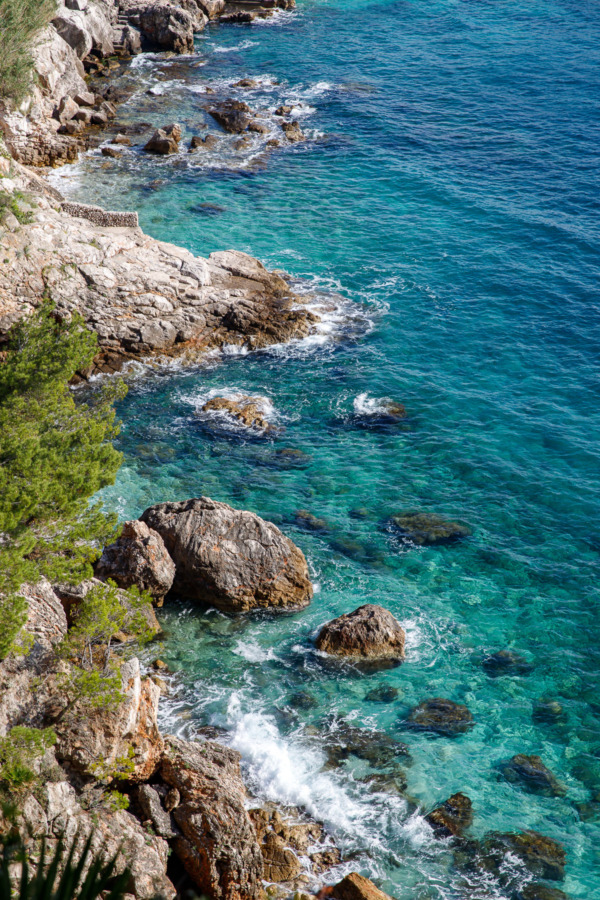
102,217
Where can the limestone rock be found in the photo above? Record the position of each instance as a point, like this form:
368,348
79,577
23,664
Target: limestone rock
57,66
164,140
286,836
211,8
218,846
370,632
107,735
229,558
357,887
440,716
149,802
248,411
232,115
71,26
46,619
452,817
138,557
163,24
428,529
531,773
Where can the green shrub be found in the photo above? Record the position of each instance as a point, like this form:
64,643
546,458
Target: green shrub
20,21
18,751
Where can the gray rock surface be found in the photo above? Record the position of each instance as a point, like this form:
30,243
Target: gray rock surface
138,557
229,558
370,632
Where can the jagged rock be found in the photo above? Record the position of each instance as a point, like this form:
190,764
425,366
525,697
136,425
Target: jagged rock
376,747
85,98
111,152
531,773
218,845
138,557
206,143
542,855
46,619
105,736
283,110
452,817
428,529
240,17
149,802
232,115
370,632
285,836
357,887
195,11
71,25
211,8
258,127
247,411
163,24
67,109
229,558
164,140
440,716
293,132
506,662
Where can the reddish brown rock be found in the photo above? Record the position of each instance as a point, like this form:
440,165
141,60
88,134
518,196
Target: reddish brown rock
230,558
357,887
164,140
452,817
370,632
138,558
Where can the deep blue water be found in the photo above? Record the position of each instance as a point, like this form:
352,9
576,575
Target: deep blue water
450,192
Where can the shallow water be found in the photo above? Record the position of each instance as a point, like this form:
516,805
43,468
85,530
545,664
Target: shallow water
450,192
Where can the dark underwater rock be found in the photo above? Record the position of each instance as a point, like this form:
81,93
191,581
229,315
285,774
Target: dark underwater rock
305,519
303,700
232,115
542,855
290,458
440,716
506,662
428,529
383,693
452,817
548,712
369,632
375,747
532,775
536,891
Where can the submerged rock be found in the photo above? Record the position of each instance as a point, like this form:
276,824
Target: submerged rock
384,693
452,817
230,558
542,855
357,887
370,632
290,458
138,558
232,115
303,700
548,712
506,662
376,747
164,140
440,716
249,411
428,529
535,891
305,519
531,773
218,845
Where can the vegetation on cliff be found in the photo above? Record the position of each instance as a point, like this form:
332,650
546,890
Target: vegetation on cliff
56,452
20,21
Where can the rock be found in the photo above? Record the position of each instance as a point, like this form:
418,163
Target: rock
163,24
239,17
46,619
84,116
121,139
218,845
548,712
247,410
232,115
258,127
67,109
71,26
211,8
284,837
506,662
85,98
242,143
283,110
357,887
230,558
164,140
290,458
72,597
246,83
380,412
440,716
72,127
149,803
452,817
376,747
293,132
303,700
531,773
305,519
104,736
370,632
535,891
384,693
543,856
99,117
428,529
206,143
138,557
111,152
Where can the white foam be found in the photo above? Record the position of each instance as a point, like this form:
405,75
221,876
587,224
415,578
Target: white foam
244,45
253,652
371,406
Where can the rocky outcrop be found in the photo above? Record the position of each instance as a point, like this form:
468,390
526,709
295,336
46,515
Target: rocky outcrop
247,411
356,887
287,840
105,736
138,558
452,817
440,716
370,632
164,25
427,529
233,116
164,140
211,8
532,775
229,558
541,855
293,132
218,844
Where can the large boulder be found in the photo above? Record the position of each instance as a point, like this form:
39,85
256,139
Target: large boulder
57,66
138,557
370,632
230,558
357,887
246,411
72,27
532,775
164,140
218,844
232,115
107,735
440,716
211,8
453,816
163,24
427,529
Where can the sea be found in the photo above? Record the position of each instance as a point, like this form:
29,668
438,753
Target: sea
442,217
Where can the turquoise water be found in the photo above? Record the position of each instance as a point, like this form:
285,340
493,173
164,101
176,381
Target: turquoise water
449,191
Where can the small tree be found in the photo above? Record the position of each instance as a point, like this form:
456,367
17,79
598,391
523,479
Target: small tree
18,751
55,453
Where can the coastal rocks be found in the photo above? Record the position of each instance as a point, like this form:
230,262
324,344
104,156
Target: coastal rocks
541,855
104,736
46,619
248,411
303,518
211,8
427,529
531,774
229,558
209,142
505,662
285,838
232,115
218,844
384,693
151,809
164,140
138,557
72,597
163,24
374,412
440,716
70,24
356,887
548,712
452,817
370,632
535,891
293,132
375,747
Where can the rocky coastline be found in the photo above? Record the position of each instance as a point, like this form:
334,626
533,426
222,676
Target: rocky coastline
190,823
